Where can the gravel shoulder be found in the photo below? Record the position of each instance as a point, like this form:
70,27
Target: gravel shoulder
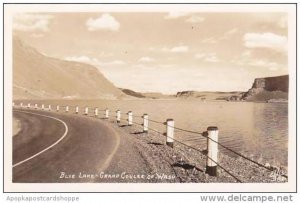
143,158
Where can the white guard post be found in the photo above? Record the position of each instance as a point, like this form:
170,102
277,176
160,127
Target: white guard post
106,113
212,150
145,123
118,112
170,132
130,118
96,112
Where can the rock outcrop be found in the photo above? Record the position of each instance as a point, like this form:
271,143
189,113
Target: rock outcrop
187,94
270,88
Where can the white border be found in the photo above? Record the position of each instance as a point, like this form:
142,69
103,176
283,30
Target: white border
10,9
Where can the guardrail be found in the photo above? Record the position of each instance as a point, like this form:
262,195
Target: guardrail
211,135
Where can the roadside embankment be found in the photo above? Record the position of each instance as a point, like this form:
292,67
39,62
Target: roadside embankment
179,164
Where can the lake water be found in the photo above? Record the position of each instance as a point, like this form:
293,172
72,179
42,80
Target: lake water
258,130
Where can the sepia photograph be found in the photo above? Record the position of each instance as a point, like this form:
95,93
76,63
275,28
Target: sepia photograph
189,95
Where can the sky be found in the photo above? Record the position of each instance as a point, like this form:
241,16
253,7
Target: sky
165,52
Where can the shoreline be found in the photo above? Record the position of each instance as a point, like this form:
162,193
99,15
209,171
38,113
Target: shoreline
157,99
188,165
148,154
186,118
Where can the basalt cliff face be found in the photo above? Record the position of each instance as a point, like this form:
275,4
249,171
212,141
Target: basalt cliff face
267,89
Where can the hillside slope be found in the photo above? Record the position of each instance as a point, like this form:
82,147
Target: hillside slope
36,76
132,93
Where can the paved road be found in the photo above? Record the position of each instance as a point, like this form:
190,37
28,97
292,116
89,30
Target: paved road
50,144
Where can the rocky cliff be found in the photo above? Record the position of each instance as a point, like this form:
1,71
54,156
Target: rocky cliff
270,88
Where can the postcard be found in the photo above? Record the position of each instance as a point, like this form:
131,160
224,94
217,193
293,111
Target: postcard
150,97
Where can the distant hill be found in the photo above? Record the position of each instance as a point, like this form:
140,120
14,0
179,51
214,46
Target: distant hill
157,95
206,95
268,89
36,76
146,95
